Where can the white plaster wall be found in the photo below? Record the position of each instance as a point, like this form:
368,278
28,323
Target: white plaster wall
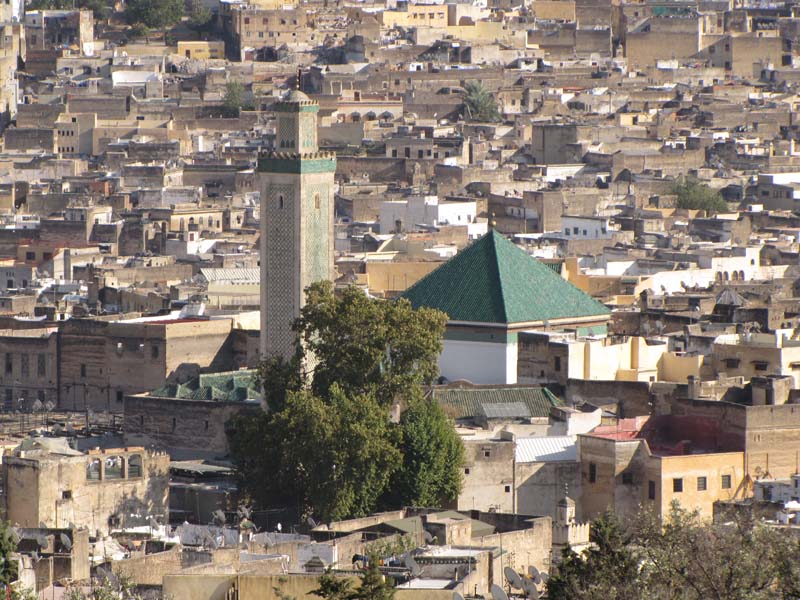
479,362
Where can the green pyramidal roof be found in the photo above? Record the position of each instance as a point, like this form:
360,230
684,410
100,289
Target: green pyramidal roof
494,281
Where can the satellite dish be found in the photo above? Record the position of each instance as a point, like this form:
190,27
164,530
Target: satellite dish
530,590
412,565
35,555
534,574
457,596
42,525
219,517
498,593
512,578
41,541
311,523
153,523
428,537
65,541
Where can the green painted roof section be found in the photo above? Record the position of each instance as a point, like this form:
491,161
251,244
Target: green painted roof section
494,281
231,386
464,403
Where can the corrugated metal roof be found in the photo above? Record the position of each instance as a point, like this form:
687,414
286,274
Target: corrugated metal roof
247,274
506,410
547,449
464,403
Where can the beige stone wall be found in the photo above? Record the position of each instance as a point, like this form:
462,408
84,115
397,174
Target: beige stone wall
529,547
665,470
490,480
55,490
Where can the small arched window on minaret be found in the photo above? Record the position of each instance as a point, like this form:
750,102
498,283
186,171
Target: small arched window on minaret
280,201
316,201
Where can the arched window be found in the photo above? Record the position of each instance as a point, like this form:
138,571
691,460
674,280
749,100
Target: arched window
134,466
316,201
115,467
93,470
280,201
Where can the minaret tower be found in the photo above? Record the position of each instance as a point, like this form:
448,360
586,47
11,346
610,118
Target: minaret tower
296,220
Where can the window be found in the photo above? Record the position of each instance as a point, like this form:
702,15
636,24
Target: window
316,201
114,467
141,420
30,256
93,470
153,351
487,453
508,489
731,363
726,482
627,478
280,201
174,423
651,490
466,471
83,370
760,365
9,363
575,230
702,484
205,425
24,364
677,485
592,472
557,363
134,466
41,364
119,396
66,495
8,403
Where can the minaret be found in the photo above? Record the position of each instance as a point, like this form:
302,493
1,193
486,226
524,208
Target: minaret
296,220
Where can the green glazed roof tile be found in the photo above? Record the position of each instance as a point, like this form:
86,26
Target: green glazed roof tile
494,281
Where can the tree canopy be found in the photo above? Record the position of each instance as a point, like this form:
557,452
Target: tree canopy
694,195
155,14
684,558
479,103
372,585
99,8
326,444
236,99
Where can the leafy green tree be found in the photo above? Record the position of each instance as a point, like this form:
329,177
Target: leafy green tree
200,17
368,346
691,559
432,456
326,444
694,195
607,570
374,585
479,103
8,546
98,7
333,588
236,99
155,14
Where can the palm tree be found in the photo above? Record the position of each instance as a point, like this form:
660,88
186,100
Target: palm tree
479,103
